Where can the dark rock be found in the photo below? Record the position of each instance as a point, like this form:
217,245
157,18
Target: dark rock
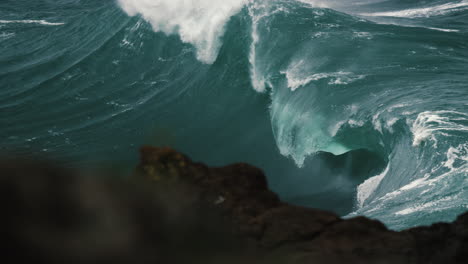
310,235
178,211
54,215
241,192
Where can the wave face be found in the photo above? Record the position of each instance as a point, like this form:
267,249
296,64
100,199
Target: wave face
357,107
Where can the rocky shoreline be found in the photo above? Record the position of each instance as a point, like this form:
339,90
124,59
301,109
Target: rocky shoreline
177,211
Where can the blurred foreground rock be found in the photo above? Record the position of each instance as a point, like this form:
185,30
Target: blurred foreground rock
177,211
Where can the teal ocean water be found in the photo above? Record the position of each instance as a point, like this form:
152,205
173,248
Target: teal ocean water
360,107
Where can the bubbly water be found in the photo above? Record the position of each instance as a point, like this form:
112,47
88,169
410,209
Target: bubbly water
360,107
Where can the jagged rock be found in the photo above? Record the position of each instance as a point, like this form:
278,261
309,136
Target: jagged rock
311,235
179,211
240,191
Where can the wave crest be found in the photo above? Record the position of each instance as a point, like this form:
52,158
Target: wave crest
200,23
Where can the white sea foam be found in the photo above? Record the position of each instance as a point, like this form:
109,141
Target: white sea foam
415,209
201,22
430,124
350,109
390,123
336,127
398,106
431,206
439,187
376,122
257,12
444,29
5,36
416,26
316,3
457,163
40,22
454,154
379,123
367,188
356,123
422,12
298,76
365,35
415,184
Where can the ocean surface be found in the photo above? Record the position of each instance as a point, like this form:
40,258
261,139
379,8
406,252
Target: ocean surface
360,106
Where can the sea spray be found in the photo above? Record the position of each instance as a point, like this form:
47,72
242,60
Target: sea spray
200,23
360,114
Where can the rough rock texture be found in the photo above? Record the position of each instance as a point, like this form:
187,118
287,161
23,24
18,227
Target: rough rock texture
177,211
241,192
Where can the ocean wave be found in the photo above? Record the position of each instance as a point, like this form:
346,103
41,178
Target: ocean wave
200,23
287,78
365,190
431,124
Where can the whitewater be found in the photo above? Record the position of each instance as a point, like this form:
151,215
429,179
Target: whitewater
359,107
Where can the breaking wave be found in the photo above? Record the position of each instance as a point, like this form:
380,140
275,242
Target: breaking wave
255,79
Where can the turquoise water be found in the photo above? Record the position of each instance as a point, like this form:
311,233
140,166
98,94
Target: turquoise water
360,107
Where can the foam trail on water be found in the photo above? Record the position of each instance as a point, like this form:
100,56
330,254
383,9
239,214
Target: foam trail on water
200,23
444,29
4,36
40,22
296,79
422,12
